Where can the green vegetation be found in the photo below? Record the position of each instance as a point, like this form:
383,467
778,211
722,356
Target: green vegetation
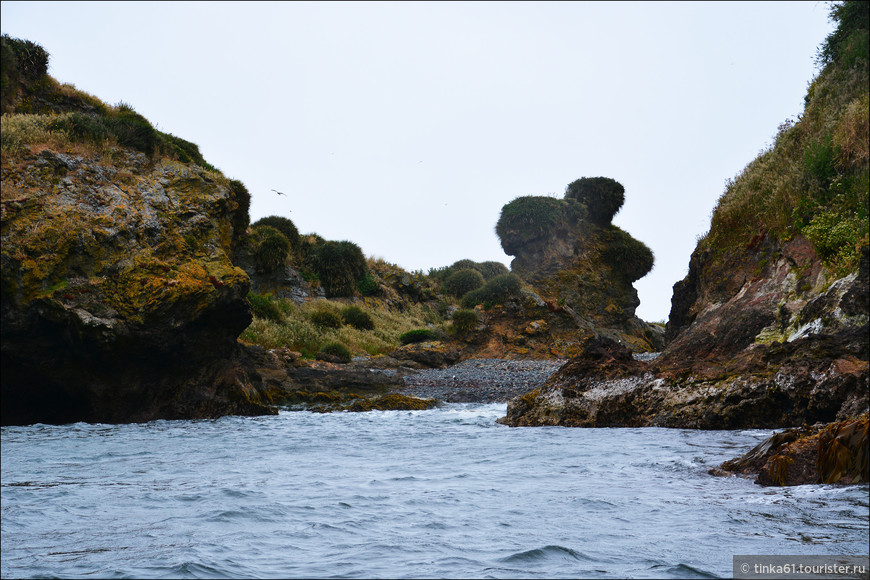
305,328
264,307
491,269
337,350
20,61
464,320
325,317
848,43
338,265
602,196
367,285
813,180
241,217
417,335
283,225
271,249
463,281
528,218
496,291
487,269
62,116
357,317
628,257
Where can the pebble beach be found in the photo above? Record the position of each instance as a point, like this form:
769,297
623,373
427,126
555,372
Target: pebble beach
480,380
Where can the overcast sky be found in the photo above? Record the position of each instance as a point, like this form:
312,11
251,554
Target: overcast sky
406,126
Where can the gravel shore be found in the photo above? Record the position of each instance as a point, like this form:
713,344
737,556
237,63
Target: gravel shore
480,380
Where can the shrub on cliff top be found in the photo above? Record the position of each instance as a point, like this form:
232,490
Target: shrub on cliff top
183,150
132,129
23,62
813,180
528,218
272,249
241,217
848,42
628,257
28,59
463,281
9,75
602,196
126,126
283,225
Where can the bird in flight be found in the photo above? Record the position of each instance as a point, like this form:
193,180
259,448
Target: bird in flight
278,192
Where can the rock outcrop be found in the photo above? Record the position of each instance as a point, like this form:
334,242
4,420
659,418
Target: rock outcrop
120,301
579,263
770,326
833,453
729,373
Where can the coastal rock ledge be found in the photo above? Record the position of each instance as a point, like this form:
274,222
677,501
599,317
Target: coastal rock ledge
723,371
120,302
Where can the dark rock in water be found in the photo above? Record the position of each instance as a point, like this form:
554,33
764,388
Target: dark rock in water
832,453
603,358
119,298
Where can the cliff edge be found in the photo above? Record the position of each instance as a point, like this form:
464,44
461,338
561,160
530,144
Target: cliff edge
120,301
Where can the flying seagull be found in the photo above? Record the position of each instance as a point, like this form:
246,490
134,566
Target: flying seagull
278,192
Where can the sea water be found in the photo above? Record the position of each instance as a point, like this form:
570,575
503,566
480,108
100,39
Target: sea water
443,493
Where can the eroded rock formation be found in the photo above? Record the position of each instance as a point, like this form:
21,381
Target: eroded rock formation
578,262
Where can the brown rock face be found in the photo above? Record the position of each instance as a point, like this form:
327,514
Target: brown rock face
120,302
775,353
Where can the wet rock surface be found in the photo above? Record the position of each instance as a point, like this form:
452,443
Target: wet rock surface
833,453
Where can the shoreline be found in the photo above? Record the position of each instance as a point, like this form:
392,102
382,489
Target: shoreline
479,380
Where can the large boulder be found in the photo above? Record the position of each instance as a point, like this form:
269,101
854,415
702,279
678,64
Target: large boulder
120,301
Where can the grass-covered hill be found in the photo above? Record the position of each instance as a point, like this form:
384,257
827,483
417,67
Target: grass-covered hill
811,183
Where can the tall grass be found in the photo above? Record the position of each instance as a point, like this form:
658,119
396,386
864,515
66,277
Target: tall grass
813,179
296,329
18,131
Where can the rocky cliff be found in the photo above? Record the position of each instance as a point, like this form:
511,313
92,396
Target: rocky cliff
770,326
120,301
